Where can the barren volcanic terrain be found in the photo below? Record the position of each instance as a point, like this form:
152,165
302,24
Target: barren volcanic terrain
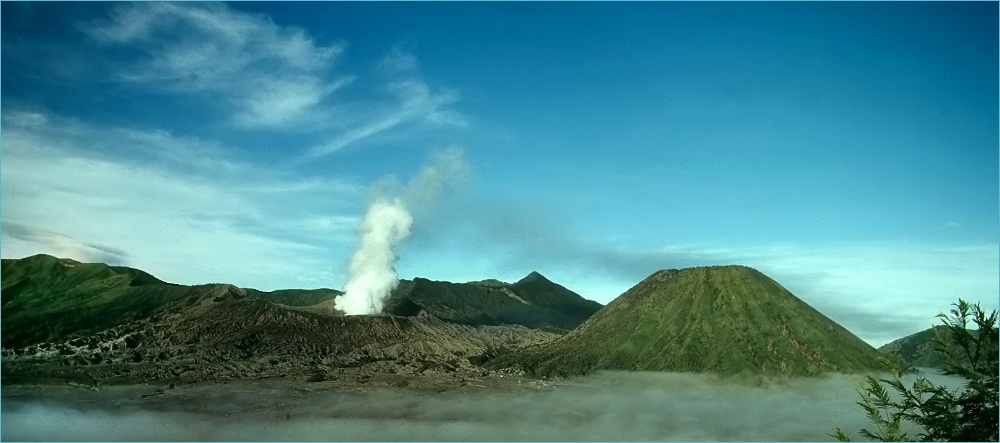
97,352
64,321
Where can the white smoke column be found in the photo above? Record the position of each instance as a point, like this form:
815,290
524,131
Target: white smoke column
372,275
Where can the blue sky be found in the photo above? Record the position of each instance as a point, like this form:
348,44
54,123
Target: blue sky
849,150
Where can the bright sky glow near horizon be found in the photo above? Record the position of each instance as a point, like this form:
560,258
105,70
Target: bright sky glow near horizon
849,150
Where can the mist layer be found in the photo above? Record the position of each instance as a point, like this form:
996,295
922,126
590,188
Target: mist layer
605,407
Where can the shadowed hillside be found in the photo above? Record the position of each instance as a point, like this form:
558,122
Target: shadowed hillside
917,349
722,319
47,298
534,301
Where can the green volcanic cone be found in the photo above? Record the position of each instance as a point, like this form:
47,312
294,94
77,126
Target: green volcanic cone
720,319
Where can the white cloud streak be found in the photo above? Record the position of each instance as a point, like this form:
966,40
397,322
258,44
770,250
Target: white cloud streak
177,207
416,103
270,76
397,61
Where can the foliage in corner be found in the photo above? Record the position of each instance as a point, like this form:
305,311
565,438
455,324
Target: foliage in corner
969,415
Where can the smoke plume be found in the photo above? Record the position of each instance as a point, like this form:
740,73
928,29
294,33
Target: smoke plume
372,275
387,223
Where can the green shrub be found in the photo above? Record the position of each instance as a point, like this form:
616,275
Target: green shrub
968,415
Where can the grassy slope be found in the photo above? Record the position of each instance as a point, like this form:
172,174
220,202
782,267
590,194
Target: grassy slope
45,298
724,319
916,349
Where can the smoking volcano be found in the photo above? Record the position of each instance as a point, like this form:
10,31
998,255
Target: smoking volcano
371,274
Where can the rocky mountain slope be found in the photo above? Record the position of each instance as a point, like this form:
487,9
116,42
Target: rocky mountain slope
220,332
112,323
722,319
297,297
533,301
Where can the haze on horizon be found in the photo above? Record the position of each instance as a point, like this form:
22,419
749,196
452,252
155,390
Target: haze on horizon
848,150
607,406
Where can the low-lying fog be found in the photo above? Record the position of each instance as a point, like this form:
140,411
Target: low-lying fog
606,406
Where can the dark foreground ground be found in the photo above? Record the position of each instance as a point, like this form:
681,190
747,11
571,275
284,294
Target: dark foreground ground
606,406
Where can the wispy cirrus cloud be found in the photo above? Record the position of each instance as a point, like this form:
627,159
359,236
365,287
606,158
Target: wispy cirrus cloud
185,209
416,103
398,61
268,75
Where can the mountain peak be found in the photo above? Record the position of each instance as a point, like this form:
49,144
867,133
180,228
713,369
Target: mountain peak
533,276
38,257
